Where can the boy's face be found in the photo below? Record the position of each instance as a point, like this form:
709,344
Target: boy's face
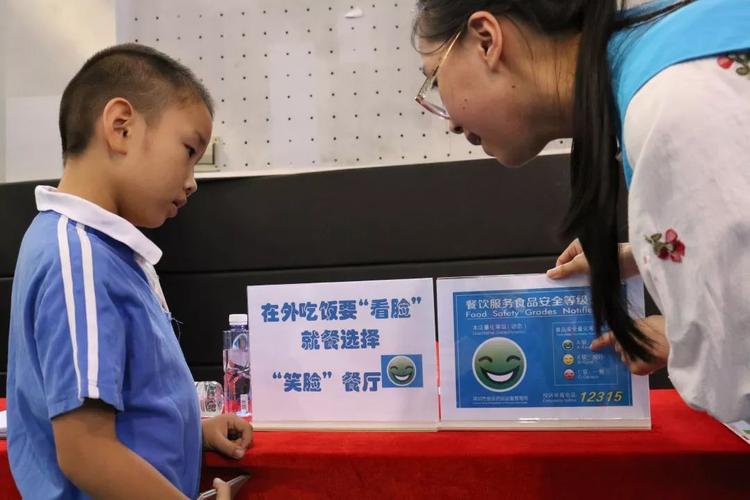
158,175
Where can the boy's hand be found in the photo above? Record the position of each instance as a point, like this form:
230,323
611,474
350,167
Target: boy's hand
228,434
654,328
223,492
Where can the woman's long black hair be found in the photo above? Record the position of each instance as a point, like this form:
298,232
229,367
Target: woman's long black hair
594,168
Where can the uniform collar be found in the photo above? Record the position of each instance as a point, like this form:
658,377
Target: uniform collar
94,216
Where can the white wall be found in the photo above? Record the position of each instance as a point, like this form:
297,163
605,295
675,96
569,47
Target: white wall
3,23
302,84
298,84
44,43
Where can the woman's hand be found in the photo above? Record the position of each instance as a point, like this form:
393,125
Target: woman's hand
228,434
652,327
573,262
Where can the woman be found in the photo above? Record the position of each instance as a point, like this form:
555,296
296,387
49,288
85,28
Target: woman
661,90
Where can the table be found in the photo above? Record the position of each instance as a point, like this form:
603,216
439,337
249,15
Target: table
686,455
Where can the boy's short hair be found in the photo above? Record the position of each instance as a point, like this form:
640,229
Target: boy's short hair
150,80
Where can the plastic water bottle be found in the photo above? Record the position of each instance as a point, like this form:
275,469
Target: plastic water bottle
237,396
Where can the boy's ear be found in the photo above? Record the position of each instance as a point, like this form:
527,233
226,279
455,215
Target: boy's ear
118,120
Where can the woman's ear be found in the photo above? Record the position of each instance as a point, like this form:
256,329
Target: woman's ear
486,33
117,121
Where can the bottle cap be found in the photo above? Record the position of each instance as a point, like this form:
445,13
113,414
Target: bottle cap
238,319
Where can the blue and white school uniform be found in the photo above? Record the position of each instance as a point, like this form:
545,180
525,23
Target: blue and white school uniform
89,320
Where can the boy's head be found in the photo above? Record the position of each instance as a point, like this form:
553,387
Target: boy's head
144,120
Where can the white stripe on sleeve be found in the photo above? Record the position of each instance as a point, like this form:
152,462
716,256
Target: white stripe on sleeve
92,328
67,276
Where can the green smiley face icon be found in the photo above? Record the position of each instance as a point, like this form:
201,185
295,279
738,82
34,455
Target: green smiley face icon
499,364
401,370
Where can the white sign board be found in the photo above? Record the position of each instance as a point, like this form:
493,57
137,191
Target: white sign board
514,353
356,355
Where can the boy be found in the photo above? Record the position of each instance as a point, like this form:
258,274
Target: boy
100,400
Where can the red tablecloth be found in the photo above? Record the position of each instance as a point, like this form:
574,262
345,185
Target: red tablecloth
686,455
